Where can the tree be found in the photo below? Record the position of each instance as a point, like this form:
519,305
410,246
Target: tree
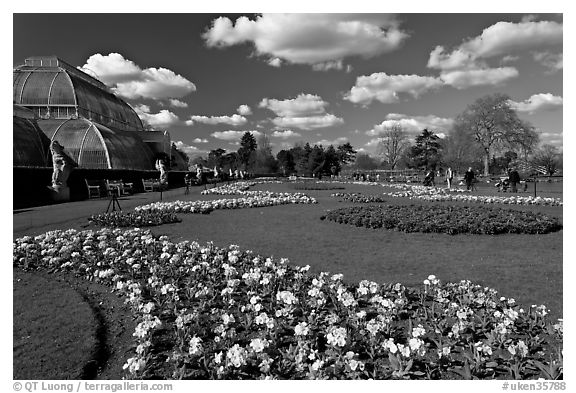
365,162
316,160
426,152
346,153
459,150
523,138
332,161
264,160
548,157
285,161
215,157
301,154
492,122
248,146
391,144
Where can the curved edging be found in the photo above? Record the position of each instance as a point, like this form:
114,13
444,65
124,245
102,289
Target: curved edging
112,332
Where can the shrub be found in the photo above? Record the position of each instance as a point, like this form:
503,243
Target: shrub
133,219
317,186
446,219
358,197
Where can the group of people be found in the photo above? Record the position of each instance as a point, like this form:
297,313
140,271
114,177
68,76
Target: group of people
361,176
511,182
469,178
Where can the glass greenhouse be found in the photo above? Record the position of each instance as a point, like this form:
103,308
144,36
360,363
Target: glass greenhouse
97,129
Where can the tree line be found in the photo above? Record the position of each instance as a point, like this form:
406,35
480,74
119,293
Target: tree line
487,136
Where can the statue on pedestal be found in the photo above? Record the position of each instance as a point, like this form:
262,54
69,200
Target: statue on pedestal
162,168
62,165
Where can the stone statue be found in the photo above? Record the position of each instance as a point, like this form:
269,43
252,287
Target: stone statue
162,168
62,165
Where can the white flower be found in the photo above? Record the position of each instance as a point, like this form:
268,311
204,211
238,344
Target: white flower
390,345
195,345
134,365
286,297
218,357
415,344
236,356
418,331
258,344
317,365
337,336
301,329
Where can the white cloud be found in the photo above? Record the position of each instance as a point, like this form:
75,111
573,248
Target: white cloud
509,59
412,124
308,122
275,62
335,142
191,151
162,119
302,105
305,112
286,134
502,38
328,65
458,59
505,37
310,38
462,79
244,110
177,103
552,61
538,102
234,120
233,135
127,79
373,142
388,88
199,140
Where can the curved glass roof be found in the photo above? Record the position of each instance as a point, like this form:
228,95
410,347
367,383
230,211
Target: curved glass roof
96,146
54,83
29,144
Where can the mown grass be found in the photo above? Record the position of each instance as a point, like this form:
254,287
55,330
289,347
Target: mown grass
54,329
525,267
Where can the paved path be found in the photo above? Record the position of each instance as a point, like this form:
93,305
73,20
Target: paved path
36,220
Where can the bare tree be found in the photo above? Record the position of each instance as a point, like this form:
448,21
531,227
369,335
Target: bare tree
491,120
523,138
549,157
459,150
392,143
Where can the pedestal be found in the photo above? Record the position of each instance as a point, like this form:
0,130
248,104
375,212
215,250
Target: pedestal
60,193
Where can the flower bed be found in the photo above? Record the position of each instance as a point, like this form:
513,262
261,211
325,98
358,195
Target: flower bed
445,219
358,197
442,195
133,219
253,199
317,186
229,189
223,313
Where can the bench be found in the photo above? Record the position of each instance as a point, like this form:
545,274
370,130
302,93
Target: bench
93,188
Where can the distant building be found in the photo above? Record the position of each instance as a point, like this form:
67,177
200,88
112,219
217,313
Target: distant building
97,129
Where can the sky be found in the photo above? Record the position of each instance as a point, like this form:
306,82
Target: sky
318,78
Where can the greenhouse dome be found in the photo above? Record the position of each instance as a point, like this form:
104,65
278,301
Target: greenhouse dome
93,145
54,89
30,146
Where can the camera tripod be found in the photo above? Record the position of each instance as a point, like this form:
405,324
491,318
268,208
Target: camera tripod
113,201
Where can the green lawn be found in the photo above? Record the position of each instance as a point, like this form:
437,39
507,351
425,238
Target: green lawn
525,267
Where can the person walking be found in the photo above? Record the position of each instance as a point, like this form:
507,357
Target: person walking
469,178
514,179
449,177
